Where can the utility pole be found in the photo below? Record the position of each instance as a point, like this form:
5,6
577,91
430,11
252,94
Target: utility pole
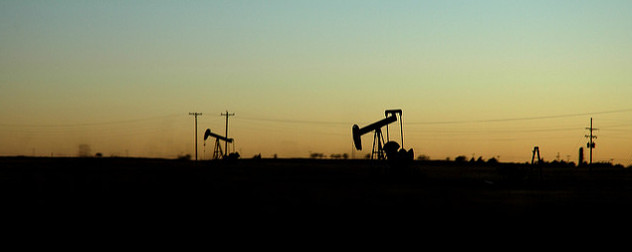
591,143
226,142
196,114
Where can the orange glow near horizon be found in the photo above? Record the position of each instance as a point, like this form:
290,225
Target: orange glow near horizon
489,79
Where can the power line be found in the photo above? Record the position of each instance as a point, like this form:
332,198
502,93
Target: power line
525,118
88,124
442,122
322,122
294,121
497,131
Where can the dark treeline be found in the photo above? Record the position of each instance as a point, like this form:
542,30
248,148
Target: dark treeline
224,191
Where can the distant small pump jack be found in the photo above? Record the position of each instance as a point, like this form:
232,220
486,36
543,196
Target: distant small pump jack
217,150
381,150
536,151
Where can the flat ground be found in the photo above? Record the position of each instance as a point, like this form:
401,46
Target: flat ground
302,189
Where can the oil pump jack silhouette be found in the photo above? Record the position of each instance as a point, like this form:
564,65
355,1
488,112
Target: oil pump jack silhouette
381,150
217,150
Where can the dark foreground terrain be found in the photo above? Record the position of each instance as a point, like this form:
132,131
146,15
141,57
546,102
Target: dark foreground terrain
317,191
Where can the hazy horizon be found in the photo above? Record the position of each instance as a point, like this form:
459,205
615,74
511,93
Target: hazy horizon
484,78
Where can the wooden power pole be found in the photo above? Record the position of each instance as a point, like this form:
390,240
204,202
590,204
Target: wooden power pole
591,143
196,114
226,142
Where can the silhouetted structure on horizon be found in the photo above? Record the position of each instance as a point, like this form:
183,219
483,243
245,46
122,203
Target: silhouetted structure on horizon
195,114
381,150
591,144
536,150
217,149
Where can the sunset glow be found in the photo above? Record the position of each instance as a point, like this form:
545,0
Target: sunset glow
473,78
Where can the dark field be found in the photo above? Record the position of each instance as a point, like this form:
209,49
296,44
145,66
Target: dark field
246,191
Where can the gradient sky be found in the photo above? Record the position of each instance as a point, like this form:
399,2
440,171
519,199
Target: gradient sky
474,78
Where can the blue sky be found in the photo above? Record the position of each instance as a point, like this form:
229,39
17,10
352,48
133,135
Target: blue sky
132,70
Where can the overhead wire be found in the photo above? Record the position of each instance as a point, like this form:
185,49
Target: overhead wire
523,118
279,120
90,124
294,121
326,127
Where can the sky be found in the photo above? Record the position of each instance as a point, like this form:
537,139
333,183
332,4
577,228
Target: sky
473,78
